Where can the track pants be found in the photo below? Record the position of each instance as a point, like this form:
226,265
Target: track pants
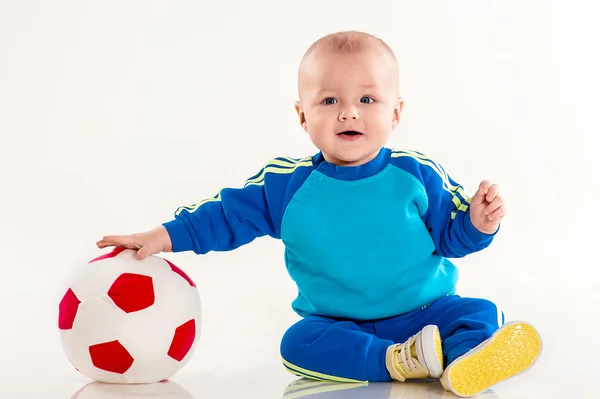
350,351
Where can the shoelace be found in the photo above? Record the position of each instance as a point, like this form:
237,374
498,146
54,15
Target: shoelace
406,355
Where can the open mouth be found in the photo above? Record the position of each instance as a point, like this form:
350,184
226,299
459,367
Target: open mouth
350,135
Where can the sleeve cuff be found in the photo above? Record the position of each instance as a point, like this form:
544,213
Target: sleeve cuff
477,237
181,239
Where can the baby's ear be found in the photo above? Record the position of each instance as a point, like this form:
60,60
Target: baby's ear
302,116
397,112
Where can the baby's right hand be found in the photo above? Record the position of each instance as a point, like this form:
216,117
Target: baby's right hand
147,243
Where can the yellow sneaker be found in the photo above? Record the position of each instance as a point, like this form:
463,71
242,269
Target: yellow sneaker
512,349
419,357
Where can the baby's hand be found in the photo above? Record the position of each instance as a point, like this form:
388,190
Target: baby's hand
148,243
487,208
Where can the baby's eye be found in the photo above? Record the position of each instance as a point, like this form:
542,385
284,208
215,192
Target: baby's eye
366,100
329,101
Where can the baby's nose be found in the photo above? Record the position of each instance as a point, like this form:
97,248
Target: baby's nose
345,115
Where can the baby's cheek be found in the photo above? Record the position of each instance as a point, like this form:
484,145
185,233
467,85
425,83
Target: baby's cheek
318,123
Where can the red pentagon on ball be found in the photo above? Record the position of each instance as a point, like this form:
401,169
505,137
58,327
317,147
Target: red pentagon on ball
183,340
111,356
67,310
132,292
111,254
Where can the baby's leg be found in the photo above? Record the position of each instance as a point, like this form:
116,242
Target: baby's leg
464,323
481,349
328,349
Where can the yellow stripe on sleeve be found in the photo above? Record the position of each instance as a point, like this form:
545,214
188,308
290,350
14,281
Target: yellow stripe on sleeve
280,165
194,208
454,190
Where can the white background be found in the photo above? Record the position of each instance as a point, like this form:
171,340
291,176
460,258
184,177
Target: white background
114,113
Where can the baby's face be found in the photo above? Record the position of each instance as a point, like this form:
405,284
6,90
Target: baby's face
349,103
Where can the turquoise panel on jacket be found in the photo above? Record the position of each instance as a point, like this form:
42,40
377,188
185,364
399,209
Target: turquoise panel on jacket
359,248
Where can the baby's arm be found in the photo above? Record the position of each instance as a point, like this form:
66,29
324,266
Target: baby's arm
448,218
232,218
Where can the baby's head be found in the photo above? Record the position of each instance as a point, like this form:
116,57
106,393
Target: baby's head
348,82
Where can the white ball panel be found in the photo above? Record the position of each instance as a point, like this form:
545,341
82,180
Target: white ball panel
146,334
102,376
79,357
149,333
176,298
151,371
95,280
97,320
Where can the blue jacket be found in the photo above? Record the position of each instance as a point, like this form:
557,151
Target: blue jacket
361,242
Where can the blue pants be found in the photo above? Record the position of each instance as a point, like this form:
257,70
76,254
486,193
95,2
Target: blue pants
348,351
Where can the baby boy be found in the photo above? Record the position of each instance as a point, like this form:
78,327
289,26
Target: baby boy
368,233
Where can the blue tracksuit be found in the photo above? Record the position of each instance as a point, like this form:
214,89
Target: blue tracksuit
364,244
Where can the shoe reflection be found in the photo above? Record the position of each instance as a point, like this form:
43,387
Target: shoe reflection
159,390
432,389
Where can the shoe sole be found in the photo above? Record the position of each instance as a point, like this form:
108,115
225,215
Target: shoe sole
433,356
511,350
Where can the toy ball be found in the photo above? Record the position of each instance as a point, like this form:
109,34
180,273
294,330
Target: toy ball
99,390
124,320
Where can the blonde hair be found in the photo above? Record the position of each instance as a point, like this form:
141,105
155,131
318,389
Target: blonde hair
349,42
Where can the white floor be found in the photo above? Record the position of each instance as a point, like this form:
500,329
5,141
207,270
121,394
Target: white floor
272,383
238,353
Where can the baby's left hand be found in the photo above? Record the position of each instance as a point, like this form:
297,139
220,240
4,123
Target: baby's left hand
487,208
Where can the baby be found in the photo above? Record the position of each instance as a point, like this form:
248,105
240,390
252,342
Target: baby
368,232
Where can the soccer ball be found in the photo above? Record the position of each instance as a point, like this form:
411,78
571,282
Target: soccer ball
124,320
